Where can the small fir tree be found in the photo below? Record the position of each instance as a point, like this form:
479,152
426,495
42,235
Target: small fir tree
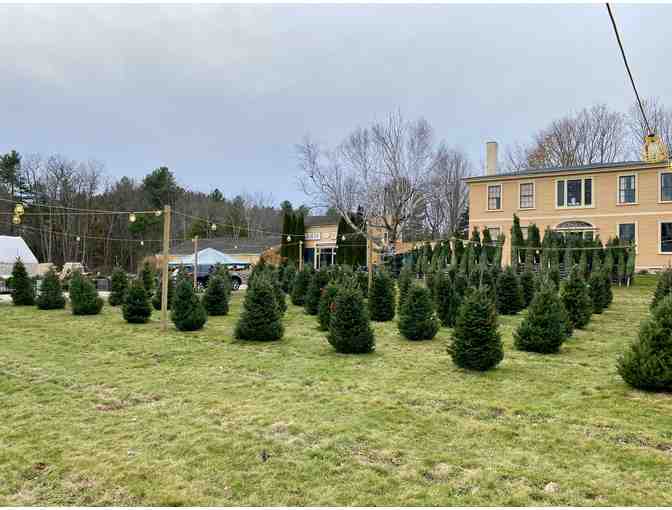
327,304
156,299
647,364
318,281
583,263
447,301
575,297
216,297
277,290
621,268
187,312
148,276
476,343
381,297
545,328
363,282
417,320
300,286
406,278
608,293
509,295
460,285
118,287
261,319
23,290
288,278
527,286
136,308
597,291
663,288
51,293
84,296
350,330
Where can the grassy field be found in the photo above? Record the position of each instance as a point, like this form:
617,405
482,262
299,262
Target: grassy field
95,411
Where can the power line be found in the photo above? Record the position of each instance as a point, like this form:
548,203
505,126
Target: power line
627,67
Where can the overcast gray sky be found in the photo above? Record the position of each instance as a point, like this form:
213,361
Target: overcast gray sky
221,93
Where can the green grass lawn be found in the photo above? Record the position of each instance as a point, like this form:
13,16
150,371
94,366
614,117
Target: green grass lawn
95,411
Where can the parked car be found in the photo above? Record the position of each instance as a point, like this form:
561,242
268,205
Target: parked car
239,274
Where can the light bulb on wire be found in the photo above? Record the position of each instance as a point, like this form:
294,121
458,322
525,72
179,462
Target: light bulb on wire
131,217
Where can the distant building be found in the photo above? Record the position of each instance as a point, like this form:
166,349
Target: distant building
13,248
247,250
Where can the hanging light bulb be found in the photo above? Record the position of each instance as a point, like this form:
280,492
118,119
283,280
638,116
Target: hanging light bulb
157,213
16,219
343,237
289,238
79,238
19,210
142,243
213,227
131,217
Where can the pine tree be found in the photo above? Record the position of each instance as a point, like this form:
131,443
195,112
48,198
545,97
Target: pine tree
362,278
136,308
147,276
51,293
350,331
406,277
527,286
288,279
544,329
647,364
446,300
261,319
663,288
621,267
576,298
156,299
417,320
381,297
476,343
608,293
327,304
583,264
460,285
187,312
216,296
509,295
597,291
277,291
84,296
23,290
517,241
118,287
318,281
300,286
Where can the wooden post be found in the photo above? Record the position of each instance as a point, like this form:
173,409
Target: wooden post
369,260
300,255
164,264
195,263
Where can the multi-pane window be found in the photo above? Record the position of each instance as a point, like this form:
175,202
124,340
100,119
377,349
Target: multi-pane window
527,195
666,187
574,192
626,189
666,237
494,232
494,197
626,232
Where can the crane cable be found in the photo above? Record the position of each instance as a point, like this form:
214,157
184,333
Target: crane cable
627,67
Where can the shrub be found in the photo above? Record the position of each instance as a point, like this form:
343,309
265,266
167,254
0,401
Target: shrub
350,330
381,297
663,288
118,287
363,282
156,299
476,343
187,312
288,276
216,297
608,293
278,292
446,300
527,286
261,317
300,287
84,296
137,309
51,293
417,320
597,291
23,290
406,277
647,364
318,281
545,328
576,298
147,275
509,295
327,304
223,273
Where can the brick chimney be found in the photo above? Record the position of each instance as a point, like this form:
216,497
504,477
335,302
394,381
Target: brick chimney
490,158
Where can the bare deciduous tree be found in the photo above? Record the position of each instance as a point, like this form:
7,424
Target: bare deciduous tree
660,120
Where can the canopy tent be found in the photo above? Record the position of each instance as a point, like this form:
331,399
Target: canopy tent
12,248
206,257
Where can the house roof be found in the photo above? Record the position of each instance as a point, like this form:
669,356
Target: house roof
320,221
208,257
229,246
598,167
12,248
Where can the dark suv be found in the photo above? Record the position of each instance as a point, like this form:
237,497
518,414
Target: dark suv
239,274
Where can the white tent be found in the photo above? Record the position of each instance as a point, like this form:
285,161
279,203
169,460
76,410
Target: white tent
207,257
12,248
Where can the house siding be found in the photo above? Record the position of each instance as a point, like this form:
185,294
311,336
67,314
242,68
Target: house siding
605,213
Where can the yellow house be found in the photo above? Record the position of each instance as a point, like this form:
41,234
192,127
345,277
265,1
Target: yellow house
629,200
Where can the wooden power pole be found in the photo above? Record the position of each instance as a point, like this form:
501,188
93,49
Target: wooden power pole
369,260
300,255
195,263
164,264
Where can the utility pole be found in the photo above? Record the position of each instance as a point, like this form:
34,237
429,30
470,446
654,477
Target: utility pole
164,274
300,255
369,260
195,263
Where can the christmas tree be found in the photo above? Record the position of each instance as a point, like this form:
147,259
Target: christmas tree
300,287
446,299
156,299
318,281
51,294
509,294
84,296
136,308
261,316
417,320
350,330
118,287
544,329
575,297
381,297
216,297
187,312
23,290
327,304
